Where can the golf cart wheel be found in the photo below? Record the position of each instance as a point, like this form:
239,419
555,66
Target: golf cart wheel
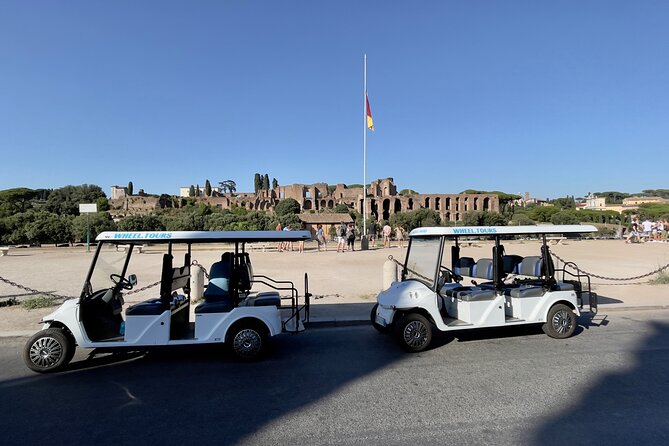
48,351
247,340
372,318
560,322
414,332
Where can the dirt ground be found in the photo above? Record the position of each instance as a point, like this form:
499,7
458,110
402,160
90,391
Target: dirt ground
349,277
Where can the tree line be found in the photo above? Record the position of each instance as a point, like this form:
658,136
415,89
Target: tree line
41,216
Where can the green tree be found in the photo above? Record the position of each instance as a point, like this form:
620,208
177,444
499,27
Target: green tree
542,213
265,182
191,191
275,183
287,206
66,200
14,227
141,223
415,219
257,183
130,188
103,204
50,228
483,218
566,217
520,218
341,208
408,192
16,200
207,188
228,185
99,222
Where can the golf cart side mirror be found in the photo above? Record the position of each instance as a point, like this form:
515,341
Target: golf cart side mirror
132,279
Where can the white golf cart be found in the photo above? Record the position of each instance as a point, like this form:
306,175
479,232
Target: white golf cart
505,289
230,312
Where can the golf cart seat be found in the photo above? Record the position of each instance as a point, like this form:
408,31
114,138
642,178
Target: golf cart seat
171,280
510,263
477,295
482,269
463,267
531,266
245,283
217,296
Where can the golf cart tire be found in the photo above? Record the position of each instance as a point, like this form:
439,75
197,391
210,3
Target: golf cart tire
372,318
247,340
48,350
560,322
414,332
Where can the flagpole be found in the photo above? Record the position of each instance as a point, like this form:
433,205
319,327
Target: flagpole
364,152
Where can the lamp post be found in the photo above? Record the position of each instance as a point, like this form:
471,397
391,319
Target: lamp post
88,208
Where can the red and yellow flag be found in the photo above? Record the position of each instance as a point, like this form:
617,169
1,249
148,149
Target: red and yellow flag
370,123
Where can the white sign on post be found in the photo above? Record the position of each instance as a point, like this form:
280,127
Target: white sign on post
88,208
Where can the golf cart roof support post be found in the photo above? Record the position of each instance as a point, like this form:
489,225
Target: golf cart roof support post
406,260
496,276
455,255
435,282
90,270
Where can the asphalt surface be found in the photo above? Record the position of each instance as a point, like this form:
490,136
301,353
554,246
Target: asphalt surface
609,384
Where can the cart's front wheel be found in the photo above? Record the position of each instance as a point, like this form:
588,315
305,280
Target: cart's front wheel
372,318
560,322
48,350
414,332
247,340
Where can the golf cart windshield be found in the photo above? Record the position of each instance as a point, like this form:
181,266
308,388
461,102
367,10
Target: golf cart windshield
423,259
111,260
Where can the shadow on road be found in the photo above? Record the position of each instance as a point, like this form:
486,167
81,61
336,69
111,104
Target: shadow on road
187,395
620,408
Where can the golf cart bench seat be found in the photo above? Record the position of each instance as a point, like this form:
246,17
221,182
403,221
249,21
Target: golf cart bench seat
482,269
477,295
154,307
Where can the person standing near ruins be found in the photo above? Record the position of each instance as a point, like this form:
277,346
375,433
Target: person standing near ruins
341,237
387,230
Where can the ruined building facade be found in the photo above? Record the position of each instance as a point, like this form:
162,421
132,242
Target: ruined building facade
383,200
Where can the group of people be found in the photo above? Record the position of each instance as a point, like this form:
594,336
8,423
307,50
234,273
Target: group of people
288,246
647,231
345,235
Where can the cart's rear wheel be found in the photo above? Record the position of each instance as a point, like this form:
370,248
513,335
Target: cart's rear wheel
414,332
560,322
247,340
48,350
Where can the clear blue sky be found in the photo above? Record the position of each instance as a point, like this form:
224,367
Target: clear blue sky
552,97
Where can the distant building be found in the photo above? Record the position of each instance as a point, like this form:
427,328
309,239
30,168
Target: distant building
118,192
636,201
595,203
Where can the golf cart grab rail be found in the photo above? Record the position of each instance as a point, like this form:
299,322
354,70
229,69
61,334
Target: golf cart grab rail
464,231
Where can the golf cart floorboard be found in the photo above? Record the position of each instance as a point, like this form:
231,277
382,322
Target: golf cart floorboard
452,322
512,319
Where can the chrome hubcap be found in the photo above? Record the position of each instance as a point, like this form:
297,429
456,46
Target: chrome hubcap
247,343
562,322
46,352
415,334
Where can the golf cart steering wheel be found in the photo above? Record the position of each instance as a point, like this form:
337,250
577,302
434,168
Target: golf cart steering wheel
121,281
448,275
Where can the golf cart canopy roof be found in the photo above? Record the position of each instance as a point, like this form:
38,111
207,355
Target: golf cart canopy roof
202,236
473,231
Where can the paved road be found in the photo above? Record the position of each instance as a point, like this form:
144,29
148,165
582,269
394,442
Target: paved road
608,384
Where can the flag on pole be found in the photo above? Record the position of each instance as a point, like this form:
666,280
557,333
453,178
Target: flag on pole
370,123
